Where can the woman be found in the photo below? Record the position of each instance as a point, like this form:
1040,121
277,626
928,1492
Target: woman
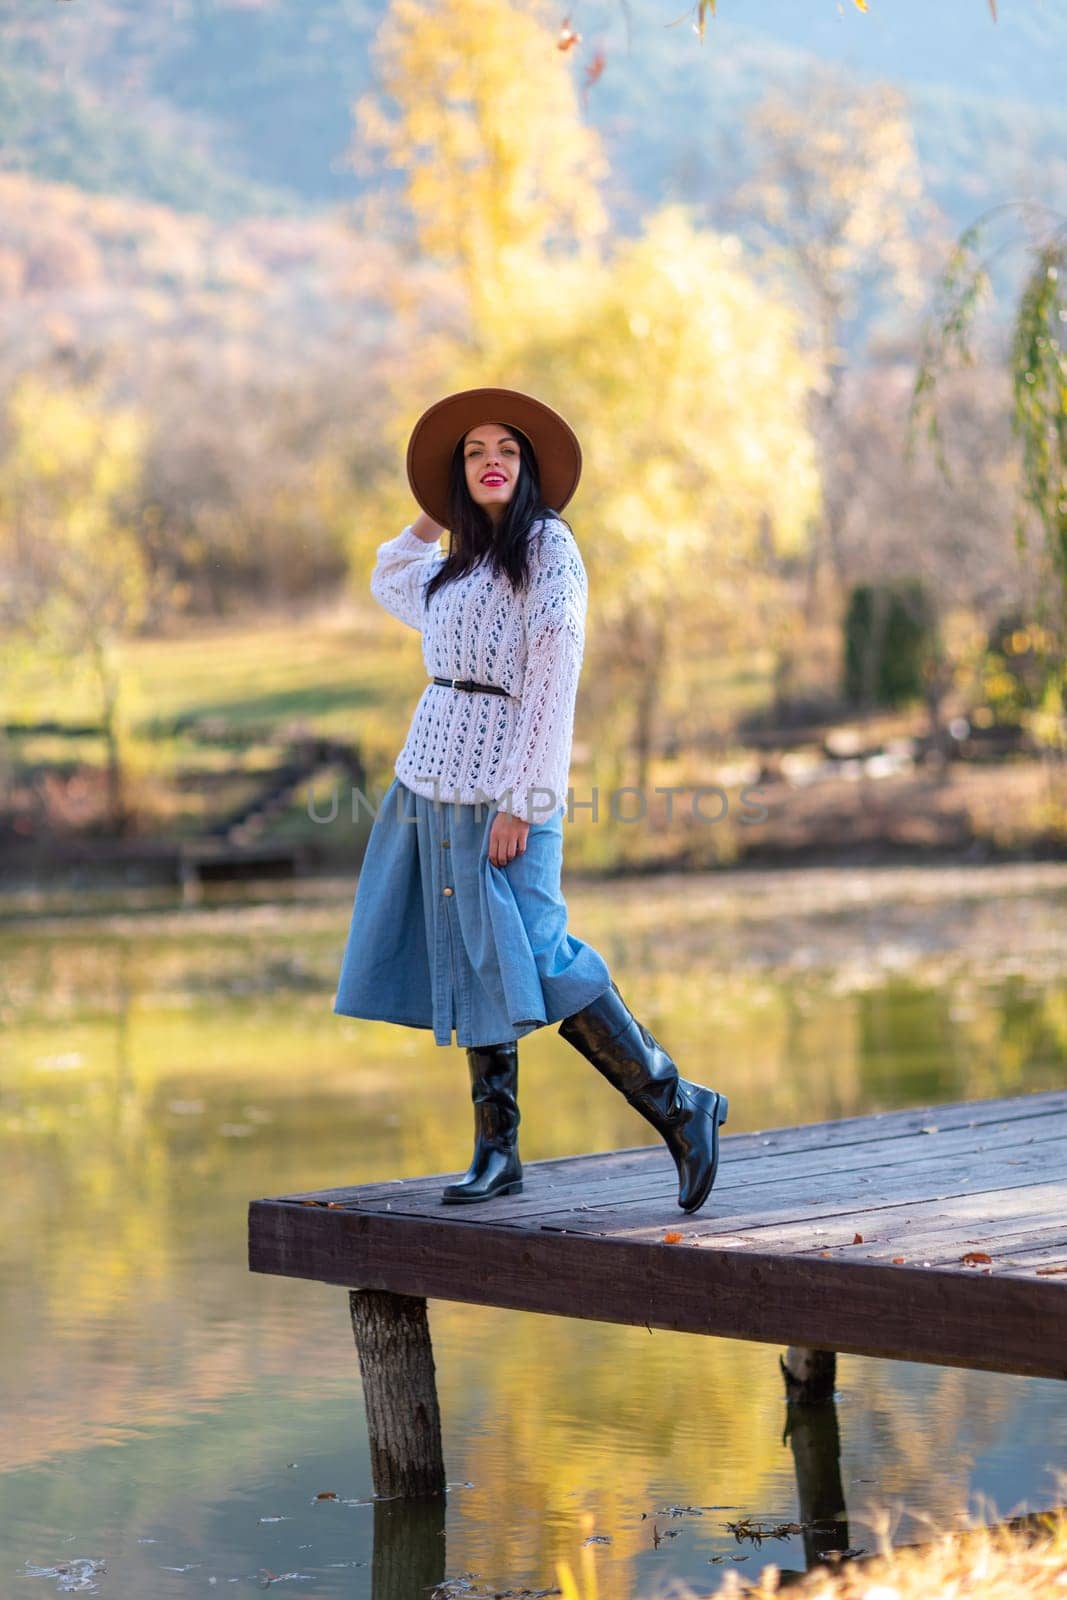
459,922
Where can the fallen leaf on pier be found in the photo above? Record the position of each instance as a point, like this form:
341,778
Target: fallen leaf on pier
898,1261
672,1238
857,1238
1049,1272
974,1258
326,1494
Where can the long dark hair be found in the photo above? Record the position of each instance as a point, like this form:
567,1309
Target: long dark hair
504,545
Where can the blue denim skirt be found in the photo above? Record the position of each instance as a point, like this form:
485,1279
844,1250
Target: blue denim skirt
441,938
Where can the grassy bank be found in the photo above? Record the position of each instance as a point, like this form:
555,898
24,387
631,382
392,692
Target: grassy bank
209,716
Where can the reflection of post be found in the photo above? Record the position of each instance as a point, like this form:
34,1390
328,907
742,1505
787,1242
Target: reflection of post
811,1428
809,1375
409,1547
396,1365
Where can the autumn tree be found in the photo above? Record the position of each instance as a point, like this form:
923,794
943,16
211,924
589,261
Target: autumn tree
836,198
74,582
476,110
689,391
682,377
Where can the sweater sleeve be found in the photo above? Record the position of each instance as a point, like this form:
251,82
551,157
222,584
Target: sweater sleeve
401,571
533,778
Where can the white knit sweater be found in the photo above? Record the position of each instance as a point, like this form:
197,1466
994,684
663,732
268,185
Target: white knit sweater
463,746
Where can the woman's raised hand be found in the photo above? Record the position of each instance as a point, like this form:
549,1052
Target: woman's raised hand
424,527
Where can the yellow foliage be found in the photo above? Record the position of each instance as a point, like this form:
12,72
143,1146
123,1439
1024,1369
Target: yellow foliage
74,575
77,573
498,168
688,389
840,185
683,377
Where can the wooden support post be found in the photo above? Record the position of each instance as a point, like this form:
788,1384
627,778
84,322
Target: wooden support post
392,1336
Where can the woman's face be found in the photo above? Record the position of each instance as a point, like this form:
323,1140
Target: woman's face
492,463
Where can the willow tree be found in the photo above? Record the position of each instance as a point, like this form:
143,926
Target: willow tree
74,582
1038,383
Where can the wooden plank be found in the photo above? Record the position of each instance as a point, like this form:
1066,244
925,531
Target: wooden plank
1001,1252
660,1183
753,1204
862,1130
1029,1200
772,1256
1047,1262
951,1242
925,1226
655,1181
1009,1324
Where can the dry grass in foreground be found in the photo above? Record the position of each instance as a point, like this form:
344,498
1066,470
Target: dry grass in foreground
1021,1559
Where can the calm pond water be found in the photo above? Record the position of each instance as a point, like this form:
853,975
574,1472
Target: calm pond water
170,1414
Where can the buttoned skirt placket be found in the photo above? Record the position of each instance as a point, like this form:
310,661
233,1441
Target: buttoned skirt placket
451,996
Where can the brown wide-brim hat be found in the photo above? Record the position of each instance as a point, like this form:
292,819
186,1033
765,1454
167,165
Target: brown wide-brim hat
441,427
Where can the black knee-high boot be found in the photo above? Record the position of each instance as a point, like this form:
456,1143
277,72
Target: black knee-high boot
495,1166
686,1114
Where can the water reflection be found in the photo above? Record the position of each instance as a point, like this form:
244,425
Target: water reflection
167,1411
409,1547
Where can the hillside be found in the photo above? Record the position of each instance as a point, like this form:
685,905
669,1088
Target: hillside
228,107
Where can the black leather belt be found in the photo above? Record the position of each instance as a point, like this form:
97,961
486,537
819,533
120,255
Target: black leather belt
475,688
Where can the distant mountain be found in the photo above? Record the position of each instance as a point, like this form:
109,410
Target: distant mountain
229,107
986,99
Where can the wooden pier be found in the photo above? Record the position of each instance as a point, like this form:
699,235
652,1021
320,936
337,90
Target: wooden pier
934,1235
